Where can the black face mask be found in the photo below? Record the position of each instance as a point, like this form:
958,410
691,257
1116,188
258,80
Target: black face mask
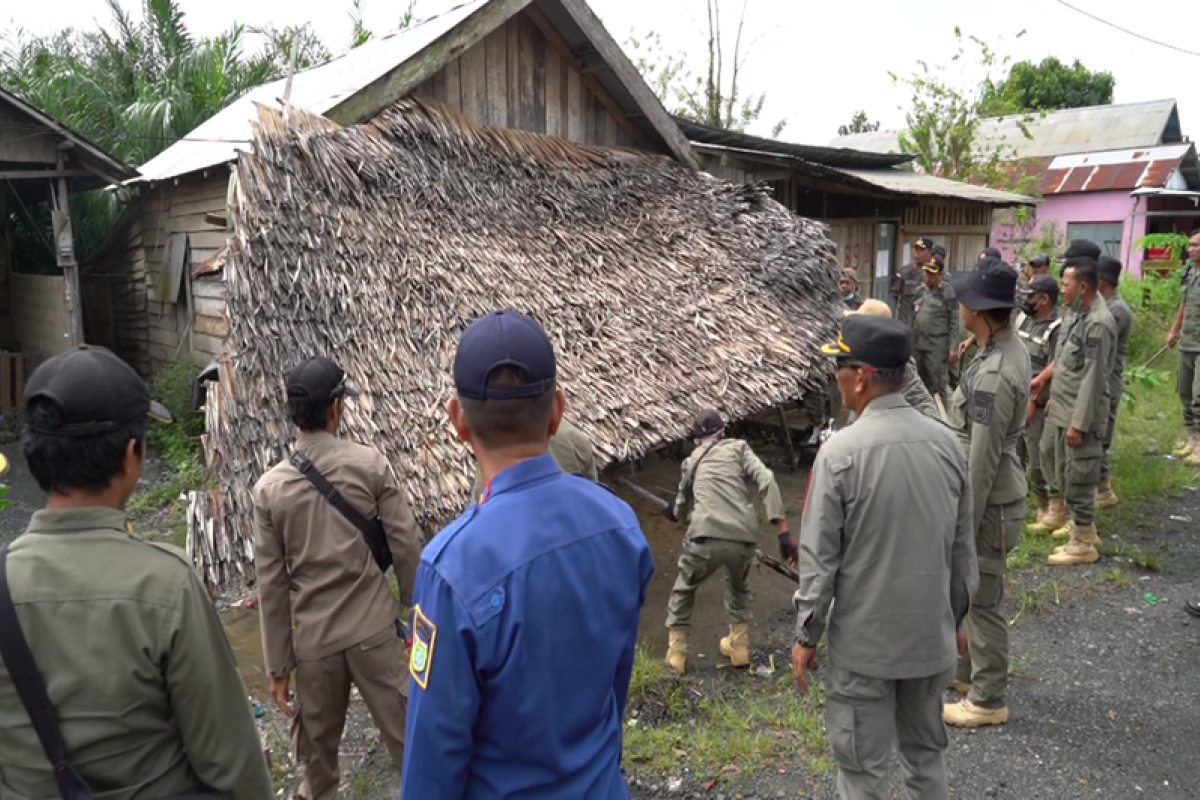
1027,306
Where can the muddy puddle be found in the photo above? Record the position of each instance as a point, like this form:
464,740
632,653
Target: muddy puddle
772,592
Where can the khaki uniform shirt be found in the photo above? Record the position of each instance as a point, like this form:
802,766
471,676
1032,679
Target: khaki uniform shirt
988,411
1123,317
341,598
906,285
938,324
887,533
571,449
1083,363
139,672
1040,337
1189,331
716,492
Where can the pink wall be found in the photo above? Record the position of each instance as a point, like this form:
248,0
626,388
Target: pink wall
1086,207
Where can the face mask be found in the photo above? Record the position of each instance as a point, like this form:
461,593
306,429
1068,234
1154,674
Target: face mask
1028,307
848,296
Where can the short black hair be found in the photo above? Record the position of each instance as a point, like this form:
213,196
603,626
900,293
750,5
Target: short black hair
890,380
998,315
309,415
1085,271
503,423
59,463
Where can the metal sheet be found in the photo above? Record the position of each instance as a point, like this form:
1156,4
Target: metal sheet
915,183
170,279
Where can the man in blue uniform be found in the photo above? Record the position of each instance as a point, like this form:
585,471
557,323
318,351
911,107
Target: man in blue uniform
526,607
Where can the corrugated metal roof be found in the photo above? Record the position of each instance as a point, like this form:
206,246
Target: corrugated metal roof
814,154
1074,130
916,183
1117,170
318,89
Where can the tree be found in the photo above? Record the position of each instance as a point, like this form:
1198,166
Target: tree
860,123
716,97
1048,86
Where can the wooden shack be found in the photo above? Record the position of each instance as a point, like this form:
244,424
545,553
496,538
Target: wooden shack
546,66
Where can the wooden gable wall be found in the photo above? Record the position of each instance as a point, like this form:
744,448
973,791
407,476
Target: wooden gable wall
524,76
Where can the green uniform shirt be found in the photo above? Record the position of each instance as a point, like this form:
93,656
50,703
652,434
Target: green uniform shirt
572,450
1189,332
937,320
137,667
989,417
716,492
906,285
1083,362
853,302
1123,317
1040,337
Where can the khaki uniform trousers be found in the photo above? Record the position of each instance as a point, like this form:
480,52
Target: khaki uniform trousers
984,665
701,559
865,718
1189,389
1074,471
377,667
1030,448
1105,466
934,368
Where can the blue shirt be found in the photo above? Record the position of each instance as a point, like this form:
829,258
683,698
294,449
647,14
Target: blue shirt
524,624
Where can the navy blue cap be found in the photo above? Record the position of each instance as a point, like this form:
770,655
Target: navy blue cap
992,284
1040,260
503,339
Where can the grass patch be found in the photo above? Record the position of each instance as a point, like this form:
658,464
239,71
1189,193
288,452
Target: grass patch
1034,599
1117,577
736,723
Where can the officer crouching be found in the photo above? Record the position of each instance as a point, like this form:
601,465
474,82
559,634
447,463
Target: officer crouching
887,532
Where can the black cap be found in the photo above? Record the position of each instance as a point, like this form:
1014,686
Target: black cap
1040,260
321,380
878,342
1082,248
503,339
925,242
936,265
991,252
707,423
1044,284
1108,269
992,284
938,250
96,391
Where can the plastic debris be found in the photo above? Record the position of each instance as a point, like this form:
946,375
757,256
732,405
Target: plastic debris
1151,598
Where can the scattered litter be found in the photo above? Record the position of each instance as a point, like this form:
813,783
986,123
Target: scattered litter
1133,612
1144,578
631,723
1192,488
675,784
1174,518
1161,415
1170,457
1151,598
259,710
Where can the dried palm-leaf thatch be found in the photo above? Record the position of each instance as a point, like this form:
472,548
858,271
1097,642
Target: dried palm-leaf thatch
663,290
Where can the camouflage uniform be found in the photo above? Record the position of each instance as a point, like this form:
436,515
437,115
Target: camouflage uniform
1123,317
936,330
988,413
715,498
1040,337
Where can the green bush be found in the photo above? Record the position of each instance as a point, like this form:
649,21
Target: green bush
1154,301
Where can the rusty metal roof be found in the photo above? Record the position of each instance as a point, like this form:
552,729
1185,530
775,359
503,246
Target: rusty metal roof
814,154
1055,133
1166,167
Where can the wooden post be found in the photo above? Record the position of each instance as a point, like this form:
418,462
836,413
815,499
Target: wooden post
64,253
787,437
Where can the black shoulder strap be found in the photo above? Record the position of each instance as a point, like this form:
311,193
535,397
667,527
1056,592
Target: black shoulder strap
18,660
309,470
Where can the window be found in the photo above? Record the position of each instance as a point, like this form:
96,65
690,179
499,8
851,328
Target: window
1106,234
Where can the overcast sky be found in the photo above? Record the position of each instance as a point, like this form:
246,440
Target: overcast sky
818,62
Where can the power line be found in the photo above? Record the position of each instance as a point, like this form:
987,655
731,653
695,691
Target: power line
1126,30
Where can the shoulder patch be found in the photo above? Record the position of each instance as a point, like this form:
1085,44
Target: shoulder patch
1091,348
424,636
982,404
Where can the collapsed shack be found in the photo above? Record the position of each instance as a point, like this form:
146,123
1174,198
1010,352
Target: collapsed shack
663,289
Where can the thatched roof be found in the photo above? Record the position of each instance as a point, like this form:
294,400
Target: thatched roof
663,289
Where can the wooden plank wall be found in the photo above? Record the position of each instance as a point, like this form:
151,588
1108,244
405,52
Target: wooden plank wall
181,208
519,77
39,314
8,339
963,228
124,273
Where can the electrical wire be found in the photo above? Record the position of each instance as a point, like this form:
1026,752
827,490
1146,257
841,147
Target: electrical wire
1127,31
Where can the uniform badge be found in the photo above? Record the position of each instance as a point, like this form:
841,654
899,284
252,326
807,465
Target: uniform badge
424,635
981,407
1092,347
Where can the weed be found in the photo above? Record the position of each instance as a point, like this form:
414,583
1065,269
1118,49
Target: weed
1139,557
1035,599
1116,577
279,750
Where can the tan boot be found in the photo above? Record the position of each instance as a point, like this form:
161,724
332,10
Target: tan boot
1055,517
1064,532
965,714
1105,497
1087,535
736,646
1043,508
1184,447
677,649
1192,458
1080,550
